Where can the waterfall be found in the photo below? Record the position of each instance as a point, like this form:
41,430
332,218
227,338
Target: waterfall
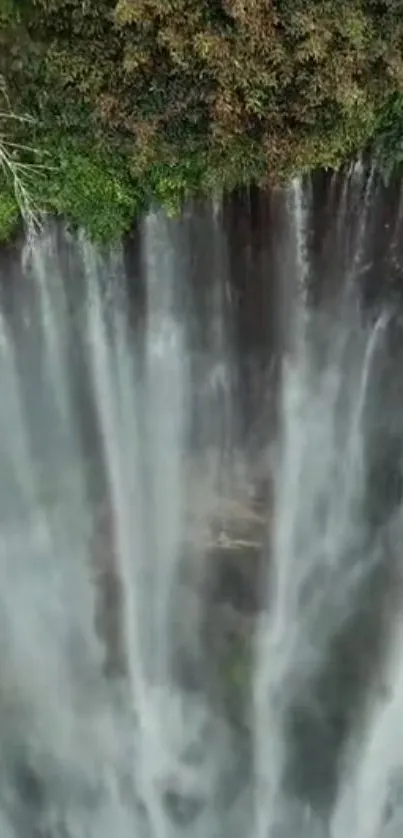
196,639
300,212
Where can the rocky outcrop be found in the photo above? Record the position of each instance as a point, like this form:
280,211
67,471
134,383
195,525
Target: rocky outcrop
222,579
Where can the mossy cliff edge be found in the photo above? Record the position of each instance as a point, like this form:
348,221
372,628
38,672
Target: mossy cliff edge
131,103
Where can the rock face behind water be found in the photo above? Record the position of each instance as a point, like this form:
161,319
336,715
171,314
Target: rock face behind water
223,582
238,536
235,580
233,279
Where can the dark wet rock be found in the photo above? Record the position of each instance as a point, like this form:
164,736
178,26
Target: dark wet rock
234,575
238,551
189,669
29,787
182,808
228,641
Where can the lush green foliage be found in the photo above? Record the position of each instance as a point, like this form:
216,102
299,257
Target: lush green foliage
9,213
141,100
389,140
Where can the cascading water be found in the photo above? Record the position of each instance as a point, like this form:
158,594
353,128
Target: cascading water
134,751
133,551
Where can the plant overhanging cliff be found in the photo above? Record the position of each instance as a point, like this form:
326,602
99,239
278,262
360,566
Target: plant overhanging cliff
135,101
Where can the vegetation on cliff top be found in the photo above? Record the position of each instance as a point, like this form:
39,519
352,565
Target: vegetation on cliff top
135,101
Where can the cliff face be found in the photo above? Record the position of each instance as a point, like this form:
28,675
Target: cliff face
175,417
236,270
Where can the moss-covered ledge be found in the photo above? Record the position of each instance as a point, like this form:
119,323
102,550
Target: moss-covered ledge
154,101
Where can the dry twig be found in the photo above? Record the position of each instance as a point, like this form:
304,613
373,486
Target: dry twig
15,170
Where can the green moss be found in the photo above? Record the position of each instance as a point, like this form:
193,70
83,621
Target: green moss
389,136
238,673
9,213
93,189
235,672
7,10
237,664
